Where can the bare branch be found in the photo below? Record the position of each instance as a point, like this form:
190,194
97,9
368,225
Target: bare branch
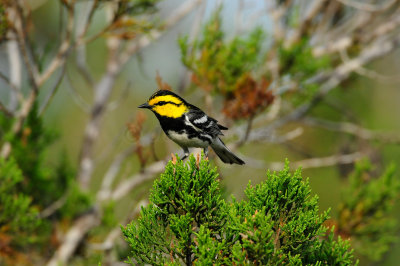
375,50
103,89
76,96
256,130
181,12
103,155
247,132
102,94
353,129
19,25
367,6
73,237
16,91
342,35
55,206
15,71
23,44
112,172
60,57
83,24
331,47
368,72
87,18
320,162
53,91
272,137
89,220
391,24
277,13
109,241
22,114
138,179
313,9
5,110
123,96
196,27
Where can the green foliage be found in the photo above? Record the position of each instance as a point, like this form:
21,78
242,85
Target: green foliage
183,199
217,64
30,180
187,221
29,150
293,215
299,62
364,213
76,203
44,183
18,218
109,220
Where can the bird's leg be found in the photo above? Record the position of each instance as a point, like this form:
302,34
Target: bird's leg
186,153
205,152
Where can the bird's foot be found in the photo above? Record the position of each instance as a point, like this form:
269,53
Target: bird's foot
185,154
205,150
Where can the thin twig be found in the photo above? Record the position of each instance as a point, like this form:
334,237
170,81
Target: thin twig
60,58
114,234
36,80
73,237
310,14
247,132
104,87
112,173
368,72
15,90
138,179
82,27
342,72
89,18
78,100
25,47
193,35
320,161
123,96
353,129
101,97
5,111
52,208
15,80
53,91
181,12
367,6
26,105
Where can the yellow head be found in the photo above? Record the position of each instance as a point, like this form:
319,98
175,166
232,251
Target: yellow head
166,104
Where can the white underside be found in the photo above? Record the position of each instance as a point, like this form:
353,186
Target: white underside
183,140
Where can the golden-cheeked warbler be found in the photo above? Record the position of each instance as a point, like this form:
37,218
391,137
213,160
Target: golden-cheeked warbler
188,126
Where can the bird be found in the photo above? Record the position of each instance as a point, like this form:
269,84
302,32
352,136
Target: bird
188,126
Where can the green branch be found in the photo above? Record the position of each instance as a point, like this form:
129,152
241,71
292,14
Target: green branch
278,223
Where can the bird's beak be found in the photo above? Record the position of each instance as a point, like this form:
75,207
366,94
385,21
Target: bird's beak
145,105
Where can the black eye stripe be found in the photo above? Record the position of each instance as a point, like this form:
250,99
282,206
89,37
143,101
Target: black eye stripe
160,103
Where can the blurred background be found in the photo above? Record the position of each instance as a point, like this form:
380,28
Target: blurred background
313,82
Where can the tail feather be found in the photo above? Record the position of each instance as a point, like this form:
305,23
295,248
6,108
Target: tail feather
224,153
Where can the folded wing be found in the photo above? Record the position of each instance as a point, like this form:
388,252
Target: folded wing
203,123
